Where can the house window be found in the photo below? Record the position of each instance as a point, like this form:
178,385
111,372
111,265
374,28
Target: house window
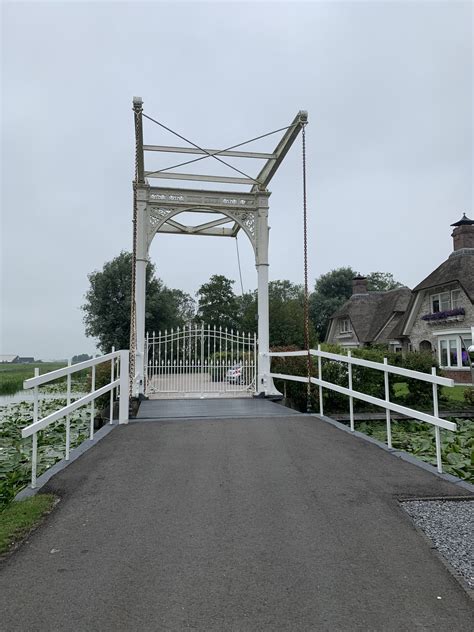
456,299
445,301
453,352
345,326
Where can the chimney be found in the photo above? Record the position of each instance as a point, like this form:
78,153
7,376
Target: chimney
463,233
359,285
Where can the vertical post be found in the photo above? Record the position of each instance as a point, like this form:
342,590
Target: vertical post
320,376
387,411
351,399
437,431
68,420
265,384
92,404
112,390
34,447
201,378
140,287
124,401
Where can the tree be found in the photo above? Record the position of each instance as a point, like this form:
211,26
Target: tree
331,290
217,303
108,303
286,305
381,281
81,357
286,308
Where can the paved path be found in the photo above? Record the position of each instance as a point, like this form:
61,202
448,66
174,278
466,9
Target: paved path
211,408
278,524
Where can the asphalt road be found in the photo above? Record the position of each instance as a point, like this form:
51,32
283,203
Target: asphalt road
241,525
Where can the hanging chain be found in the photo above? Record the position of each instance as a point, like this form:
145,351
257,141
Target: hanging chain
305,250
133,313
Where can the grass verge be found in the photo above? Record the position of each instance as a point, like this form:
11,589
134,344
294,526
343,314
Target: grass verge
12,376
19,518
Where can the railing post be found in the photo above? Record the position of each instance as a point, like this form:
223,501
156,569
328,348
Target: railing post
351,399
92,404
68,421
112,390
34,448
437,431
124,401
387,411
320,376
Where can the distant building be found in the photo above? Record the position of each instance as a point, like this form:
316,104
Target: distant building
25,360
438,316
8,359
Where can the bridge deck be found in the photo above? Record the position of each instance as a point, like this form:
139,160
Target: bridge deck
270,523
209,408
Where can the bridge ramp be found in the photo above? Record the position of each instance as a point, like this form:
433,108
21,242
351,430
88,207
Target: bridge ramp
278,523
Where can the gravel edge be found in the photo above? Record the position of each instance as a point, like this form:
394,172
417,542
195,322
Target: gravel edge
448,526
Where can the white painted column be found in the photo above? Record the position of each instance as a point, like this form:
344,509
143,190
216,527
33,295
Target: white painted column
140,292
264,381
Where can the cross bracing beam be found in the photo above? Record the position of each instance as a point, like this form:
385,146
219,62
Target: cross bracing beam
211,232
170,175
289,137
206,152
200,228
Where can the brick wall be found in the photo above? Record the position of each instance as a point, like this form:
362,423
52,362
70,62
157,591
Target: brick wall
422,331
461,377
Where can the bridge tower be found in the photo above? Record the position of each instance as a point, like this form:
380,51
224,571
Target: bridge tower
156,209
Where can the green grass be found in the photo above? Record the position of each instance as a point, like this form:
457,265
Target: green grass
454,394
450,396
18,518
12,376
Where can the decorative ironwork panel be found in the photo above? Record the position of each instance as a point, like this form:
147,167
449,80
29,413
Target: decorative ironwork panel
202,360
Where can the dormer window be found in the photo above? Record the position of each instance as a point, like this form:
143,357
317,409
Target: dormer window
445,301
345,326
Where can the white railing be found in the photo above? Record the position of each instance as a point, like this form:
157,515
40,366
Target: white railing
120,382
389,406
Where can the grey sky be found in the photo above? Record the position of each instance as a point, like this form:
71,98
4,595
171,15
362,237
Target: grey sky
388,88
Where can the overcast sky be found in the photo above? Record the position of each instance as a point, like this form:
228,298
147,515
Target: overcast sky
388,88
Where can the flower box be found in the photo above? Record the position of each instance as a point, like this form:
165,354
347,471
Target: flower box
448,315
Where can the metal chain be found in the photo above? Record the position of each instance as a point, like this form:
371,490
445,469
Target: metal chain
305,250
133,314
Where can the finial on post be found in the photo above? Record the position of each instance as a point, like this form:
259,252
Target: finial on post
303,117
137,104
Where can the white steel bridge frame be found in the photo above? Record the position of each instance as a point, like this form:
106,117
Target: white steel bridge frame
156,211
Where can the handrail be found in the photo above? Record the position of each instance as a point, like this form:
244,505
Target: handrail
62,412
121,382
388,368
67,370
389,406
396,408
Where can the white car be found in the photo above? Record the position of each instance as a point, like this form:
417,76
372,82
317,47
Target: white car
235,374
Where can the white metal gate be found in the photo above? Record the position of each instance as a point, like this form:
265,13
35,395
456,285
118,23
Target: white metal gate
200,359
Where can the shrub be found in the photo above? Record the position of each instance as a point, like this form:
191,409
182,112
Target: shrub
469,395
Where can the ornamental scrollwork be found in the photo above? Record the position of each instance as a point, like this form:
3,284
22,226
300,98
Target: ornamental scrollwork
247,219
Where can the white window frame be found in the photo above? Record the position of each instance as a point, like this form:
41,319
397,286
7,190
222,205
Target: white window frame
345,326
447,340
452,301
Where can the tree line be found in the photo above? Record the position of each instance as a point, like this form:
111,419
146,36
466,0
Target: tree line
107,304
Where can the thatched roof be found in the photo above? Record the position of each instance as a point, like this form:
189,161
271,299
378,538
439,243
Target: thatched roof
370,312
458,267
